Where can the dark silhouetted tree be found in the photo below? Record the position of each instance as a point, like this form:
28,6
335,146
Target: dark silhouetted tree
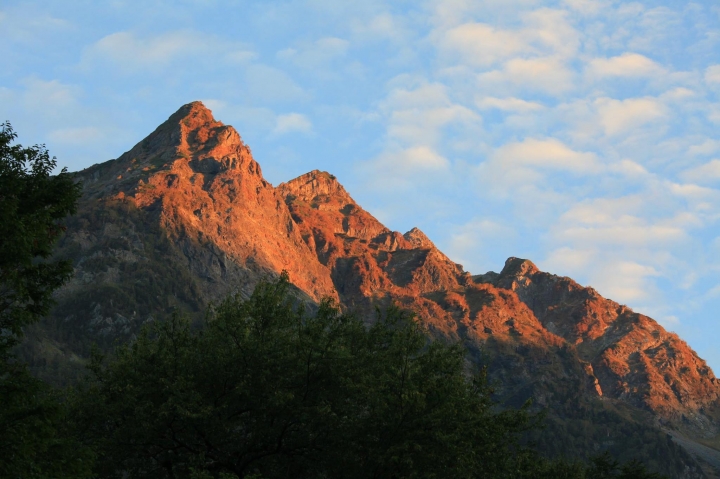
33,440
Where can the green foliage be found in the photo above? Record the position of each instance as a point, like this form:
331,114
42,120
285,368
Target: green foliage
264,388
37,439
605,466
32,202
34,438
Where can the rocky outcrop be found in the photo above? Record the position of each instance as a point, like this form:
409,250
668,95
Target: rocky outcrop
633,358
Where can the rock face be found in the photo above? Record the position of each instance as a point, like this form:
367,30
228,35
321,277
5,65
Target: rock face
185,217
633,358
201,180
368,263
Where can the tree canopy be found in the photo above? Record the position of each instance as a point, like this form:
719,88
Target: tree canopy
34,441
264,388
33,202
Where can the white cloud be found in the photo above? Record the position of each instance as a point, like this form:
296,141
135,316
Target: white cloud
544,32
707,147
316,55
292,122
624,281
679,94
713,112
404,162
622,245
483,45
586,7
567,261
77,136
705,173
620,116
418,116
21,26
427,95
714,292
712,74
421,157
383,26
628,168
690,191
470,241
404,169
51,94
272,85
547,75
552,31
627,231
215,106
537,176
625,65
132,52
421,123
47,104
240,56
546,154
603,211
508,104
423,126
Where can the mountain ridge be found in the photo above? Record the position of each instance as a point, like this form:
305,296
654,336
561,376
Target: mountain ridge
185,217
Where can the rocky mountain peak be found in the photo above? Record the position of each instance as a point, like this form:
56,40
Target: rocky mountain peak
192,130
190,140
519,267
418,239
320,203
316,186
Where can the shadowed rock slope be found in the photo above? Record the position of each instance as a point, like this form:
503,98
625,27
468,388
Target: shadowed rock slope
185,217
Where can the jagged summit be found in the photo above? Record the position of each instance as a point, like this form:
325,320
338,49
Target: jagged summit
190,131
335,211
519,267
195,110
418,239
191,137
316,186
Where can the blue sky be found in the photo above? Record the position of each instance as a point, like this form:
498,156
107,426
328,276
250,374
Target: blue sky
581,134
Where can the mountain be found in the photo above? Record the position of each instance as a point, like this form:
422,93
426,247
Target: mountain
185,217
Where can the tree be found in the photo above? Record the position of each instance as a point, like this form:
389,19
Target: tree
264,389
605,466
32,204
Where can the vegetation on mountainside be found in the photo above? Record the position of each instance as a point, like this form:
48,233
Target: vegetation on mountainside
126,275
579,424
